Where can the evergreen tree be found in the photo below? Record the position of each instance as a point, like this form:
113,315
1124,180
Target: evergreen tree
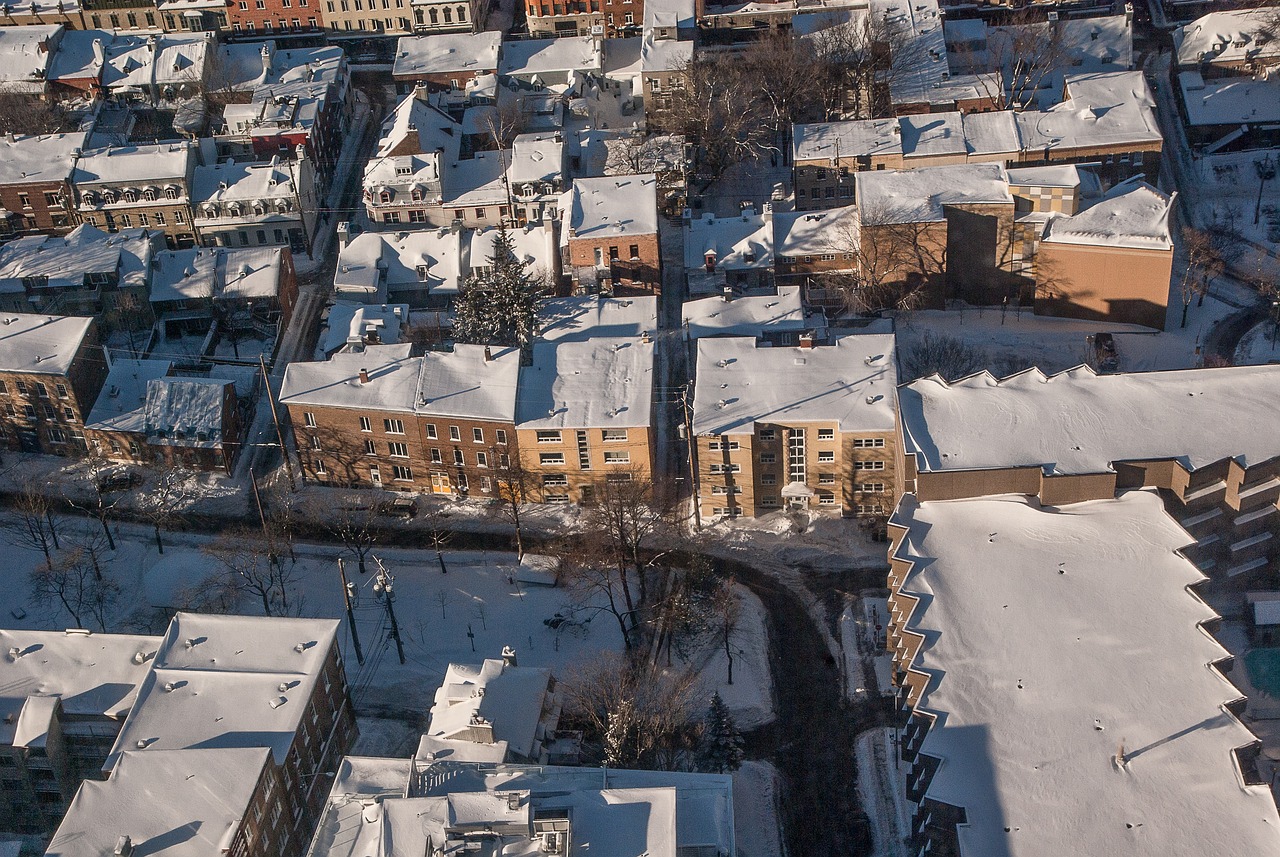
721,749
499,306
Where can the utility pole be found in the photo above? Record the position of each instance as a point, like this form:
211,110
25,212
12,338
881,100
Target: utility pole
438,541
351,616
693,467
275,417
382,588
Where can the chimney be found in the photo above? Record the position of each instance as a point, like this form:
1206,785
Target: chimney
806,340
726,294
124,846
508,656
488,354
364,373
344,234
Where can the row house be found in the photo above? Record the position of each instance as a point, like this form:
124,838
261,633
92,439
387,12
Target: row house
1230,43
58,724
779,319
443,422
194,16
269,204
805,427
29,52
274,17
51,371
121,15
1105,119
449,16
244,290
87,273
43,13
560,18
144,185
148,415
158,68
555,64
446,62
813,248
344,18
609,234
35,182
729,254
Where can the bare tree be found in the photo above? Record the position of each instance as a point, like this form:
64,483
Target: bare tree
942,355
513,489
1204,262
99,492
726,609
163,499
77,583
896,257
31,524
353,521
506,121
250,567
23,113
1019,59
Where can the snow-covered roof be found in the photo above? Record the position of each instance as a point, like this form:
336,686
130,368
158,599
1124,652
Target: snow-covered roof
1232,36
1231,100
586,317
528,57
25,56
622,57
476,181
375,262
78,58
43,344
531,244
59,262
812,233
471,382
739,243
610,207
602,382
230,181
39,158
1081,422
1077,708
1051,175
993,133
350,325
409,138
92,674
132,62
1132,215
119,407
536,158
509,698
928,135
185,412
145,163
392,386
1102,109
431,748
871,137
666,14
657,55
216,679
748,315
442,53
211,273
918,196
741,382
176,803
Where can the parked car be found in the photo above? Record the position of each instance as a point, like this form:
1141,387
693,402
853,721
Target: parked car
119,480
401,507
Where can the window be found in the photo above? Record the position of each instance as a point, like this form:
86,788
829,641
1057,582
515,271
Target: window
548,437
41,390
826,455
555,498
868,465
868,443
727,512
431,431
555,481
726,468
4,388
369,447
826,479
768,434
393,426
548,458
454,433
315,441
398,450
24,199
726,489
501,436
160,218
435,457
309,419
768,479
50,413
768,458
52,199
365,424
870,488
401,473
482,459
612,435
179,217
477,435
769,500
320,468
30,411
826,434
457,458
826,498
617,458
870,509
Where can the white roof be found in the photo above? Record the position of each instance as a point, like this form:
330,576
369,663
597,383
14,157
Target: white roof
351,323
668,13
1103,109
230,181
119,407
739,243
42,158
509,698
993,133
806,233
24,55
872,137
531,244
92,674
748,315
583,318
175,803
664,54
603,382
1229,37
537,157
185,411
143,62
212,273
1063,638
1231,100
43,344
1081,422
740,383
393,380
928,135
144,163
62,261
611,207
215,684
463,383
374,262
920,49
431,748
918,196
1133,215
1050,175
529,57
442,53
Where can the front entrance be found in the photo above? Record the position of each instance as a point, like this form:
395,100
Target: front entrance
440,483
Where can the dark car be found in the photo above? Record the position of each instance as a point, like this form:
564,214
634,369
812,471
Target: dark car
401,507
120,480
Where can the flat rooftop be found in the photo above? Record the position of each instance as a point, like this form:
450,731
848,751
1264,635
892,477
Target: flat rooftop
1059,638
1080,422
602,382
44,344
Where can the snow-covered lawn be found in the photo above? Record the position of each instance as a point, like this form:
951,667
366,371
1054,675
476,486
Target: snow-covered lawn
1228,190
881,789
755,810
750,697
1259,345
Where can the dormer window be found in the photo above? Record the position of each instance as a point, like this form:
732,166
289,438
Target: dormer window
404,170
131,196
258,209
149,195
171,192
384,196
710,260
422,273
416,195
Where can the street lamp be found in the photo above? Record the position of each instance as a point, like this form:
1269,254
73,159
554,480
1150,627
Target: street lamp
382,588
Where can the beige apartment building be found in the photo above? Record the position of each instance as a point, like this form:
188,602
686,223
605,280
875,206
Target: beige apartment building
146,185
583,416
51,372
807,427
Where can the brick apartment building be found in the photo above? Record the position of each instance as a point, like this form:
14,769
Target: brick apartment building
147,185
614,18
446,62
806,427
609,234
51,372
35,182
272,18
